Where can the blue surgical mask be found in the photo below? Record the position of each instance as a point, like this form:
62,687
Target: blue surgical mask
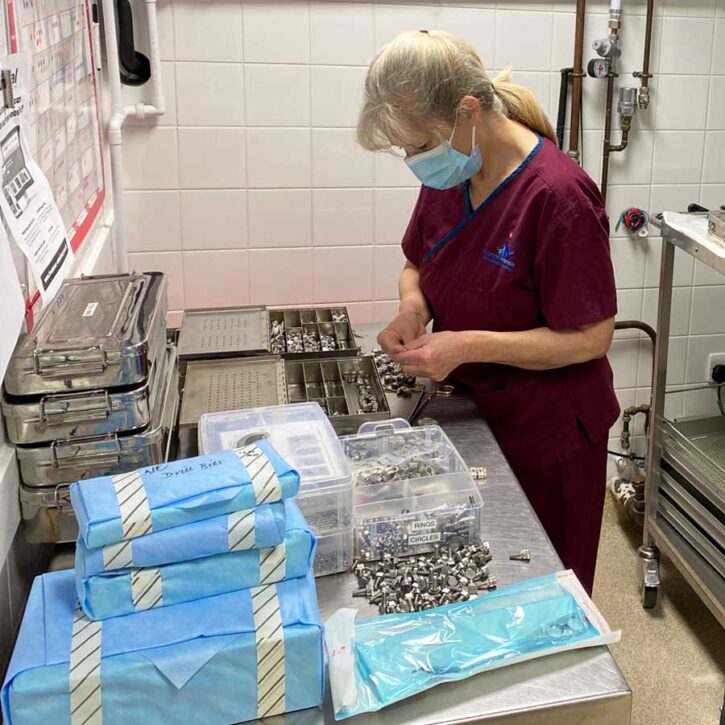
444,167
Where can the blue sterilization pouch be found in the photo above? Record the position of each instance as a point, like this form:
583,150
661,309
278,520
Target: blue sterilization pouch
229,658
255,528
379,661
116,508
123,591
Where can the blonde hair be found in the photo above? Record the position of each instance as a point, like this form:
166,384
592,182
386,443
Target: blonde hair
416,83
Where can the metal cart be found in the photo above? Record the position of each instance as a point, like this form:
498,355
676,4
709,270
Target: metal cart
685,485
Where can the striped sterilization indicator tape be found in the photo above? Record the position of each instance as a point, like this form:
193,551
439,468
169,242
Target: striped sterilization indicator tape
85,671
270,651
267,487
135,511
117,556
240,530
272,564
146,589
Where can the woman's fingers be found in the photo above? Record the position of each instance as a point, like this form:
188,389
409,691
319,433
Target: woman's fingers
390,342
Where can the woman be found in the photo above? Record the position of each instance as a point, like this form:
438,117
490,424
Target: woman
508,254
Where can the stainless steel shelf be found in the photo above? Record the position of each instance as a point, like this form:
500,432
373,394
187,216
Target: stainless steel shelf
685,484
711,253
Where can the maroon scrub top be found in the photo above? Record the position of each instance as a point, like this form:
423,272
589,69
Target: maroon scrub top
535,253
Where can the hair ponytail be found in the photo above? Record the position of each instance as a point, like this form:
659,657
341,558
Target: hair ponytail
416,82
521,105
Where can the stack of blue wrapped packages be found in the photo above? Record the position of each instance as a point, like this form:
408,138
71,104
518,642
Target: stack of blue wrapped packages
192,600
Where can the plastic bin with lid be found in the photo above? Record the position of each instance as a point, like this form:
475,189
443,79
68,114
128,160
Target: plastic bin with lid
412,491
304,437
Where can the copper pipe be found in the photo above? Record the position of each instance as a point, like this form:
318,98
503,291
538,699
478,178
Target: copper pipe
577,75
644,75
607,144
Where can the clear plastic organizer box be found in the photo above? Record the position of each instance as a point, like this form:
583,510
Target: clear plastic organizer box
302,434
412,491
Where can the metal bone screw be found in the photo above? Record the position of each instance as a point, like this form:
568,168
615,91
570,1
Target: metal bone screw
523,555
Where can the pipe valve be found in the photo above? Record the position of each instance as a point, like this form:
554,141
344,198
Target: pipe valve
607,47
627,104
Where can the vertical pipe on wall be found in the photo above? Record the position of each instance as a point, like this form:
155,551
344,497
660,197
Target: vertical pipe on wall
118,116
577,75
644,75
119,113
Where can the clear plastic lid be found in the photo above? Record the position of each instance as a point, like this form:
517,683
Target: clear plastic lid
301,433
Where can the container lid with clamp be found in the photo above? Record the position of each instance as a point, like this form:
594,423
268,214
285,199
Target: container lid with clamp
98,332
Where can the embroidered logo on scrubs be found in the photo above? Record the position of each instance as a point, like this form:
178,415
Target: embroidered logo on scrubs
502,257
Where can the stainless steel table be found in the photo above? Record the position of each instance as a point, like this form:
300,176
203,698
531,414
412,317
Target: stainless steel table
571,688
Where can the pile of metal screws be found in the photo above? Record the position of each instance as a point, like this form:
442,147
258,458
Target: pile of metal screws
276,337
311,342
294,341
389,535
405,468
339,317
367,400
327,343
423,582
392,375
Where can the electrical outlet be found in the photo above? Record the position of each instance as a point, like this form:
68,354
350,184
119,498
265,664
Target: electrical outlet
715,358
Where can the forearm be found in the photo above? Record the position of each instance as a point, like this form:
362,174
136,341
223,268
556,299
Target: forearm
412,298
540,348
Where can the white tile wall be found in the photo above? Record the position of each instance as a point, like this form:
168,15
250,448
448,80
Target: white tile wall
343,216
251,189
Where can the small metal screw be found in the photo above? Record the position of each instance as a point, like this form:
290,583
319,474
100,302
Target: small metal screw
523,555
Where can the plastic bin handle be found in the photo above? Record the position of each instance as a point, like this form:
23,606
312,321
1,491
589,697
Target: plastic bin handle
389,426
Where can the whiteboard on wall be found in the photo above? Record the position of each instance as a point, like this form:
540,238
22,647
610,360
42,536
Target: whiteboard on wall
62,116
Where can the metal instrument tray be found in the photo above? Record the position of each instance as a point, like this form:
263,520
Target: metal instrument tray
98,332
84,413
695,447
236,331
68,460
214,386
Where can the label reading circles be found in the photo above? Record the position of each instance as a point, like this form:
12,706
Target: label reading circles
423,532
429,538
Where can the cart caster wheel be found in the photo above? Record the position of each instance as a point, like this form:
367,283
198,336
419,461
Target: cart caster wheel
649,575
649,597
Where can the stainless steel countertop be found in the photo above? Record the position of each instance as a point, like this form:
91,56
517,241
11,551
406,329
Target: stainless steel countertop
571,688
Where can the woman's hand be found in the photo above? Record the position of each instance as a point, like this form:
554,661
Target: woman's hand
433,356
403,330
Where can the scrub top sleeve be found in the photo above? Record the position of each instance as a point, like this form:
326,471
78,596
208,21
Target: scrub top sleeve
412,239
573,270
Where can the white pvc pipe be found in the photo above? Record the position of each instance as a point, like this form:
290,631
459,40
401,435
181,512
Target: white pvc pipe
119,113
615,5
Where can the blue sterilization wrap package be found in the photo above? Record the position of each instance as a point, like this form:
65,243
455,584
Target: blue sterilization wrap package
379,661
230,658
256,528
116,508
123,591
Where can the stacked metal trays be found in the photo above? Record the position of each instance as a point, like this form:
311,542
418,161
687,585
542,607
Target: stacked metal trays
84,394
213,386
45,502
692,495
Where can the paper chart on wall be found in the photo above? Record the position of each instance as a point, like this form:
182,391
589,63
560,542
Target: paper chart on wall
30,212
62,118
12,306
26,200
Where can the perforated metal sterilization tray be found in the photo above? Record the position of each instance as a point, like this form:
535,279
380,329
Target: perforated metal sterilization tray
236,331
696,447
213,386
